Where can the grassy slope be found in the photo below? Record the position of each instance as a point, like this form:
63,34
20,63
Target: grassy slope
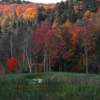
56,86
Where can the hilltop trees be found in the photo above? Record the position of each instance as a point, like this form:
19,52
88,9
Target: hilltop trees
12,1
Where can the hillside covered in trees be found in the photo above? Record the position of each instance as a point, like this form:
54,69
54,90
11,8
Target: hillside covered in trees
50,37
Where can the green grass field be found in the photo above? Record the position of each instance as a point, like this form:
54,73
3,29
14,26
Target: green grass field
50,86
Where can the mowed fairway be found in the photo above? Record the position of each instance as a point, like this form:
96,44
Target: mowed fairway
50,86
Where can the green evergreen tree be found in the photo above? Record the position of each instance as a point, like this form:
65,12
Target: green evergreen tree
90,5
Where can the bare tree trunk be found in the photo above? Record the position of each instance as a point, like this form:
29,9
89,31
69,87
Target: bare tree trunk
28,60
59,67
23,59
48,61
36,65
11,46
86,59
49,64
31,62
44,60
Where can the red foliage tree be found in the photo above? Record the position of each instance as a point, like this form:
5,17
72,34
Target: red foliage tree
11,64
74,35
43,38
43,35
48,39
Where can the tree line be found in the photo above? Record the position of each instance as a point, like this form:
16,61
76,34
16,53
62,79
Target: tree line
64,38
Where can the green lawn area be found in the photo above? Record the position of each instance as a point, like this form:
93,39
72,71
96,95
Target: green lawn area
50,86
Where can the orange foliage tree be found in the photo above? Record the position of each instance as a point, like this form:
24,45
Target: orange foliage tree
30,13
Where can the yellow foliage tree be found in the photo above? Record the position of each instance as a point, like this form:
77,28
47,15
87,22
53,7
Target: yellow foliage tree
30,13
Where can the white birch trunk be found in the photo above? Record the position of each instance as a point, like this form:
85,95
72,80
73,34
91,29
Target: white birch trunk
28,60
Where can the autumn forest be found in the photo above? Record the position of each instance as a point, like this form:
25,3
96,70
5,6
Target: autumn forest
50,37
